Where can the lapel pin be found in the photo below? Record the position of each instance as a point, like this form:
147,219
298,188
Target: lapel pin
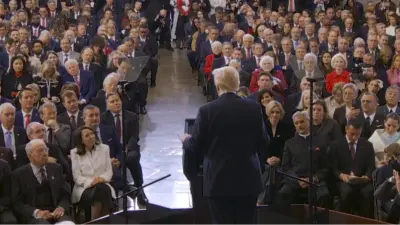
52,177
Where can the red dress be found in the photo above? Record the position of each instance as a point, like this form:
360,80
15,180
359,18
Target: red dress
333,78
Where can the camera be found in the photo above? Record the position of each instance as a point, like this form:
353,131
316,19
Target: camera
359,70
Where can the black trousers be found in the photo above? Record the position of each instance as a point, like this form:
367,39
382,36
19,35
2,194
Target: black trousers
142,88
153,68
133,164
359,197
7,217
292,193
192,59
233,210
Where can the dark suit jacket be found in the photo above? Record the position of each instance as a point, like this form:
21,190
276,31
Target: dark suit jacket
54,151
340,116
205,50
150,47
109,137
24,184
5,186
87,85
98,74
363,163
330,129
282,134
368,129
131,124
64,119
384,110
19,137
19,120
295,159
229,155
4,60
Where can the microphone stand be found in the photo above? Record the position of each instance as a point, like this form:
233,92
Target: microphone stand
125,195
122,84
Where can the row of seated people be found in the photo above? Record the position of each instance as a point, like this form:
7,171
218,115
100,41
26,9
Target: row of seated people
45,143
348,172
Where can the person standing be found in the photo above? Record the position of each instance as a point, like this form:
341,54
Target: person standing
232,171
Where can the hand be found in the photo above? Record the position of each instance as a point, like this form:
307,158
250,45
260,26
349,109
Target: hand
353,113
44,214
45,100
51,160
82,102
52,124
115,162
273,161
185,136
95,181
303,184
397,178
344,177
55,99
58,213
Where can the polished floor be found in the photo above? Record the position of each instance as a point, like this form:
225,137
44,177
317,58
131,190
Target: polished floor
175,98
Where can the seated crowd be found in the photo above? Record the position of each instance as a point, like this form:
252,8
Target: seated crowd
62,108
353,53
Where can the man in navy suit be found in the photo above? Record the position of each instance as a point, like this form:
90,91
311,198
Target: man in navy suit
232,171
28,113
205,47
7,54
84,79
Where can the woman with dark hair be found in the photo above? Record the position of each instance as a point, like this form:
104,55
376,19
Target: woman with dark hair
265,96
53,57
17,77
322,124
92,173
325,63
98,44
357,10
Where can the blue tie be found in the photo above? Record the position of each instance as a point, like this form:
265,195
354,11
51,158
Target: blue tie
8,140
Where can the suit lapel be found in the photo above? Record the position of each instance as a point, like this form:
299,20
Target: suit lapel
17,136
52,183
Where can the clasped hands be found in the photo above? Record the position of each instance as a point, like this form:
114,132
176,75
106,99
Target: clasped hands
273,161
347,177
97,180
47,215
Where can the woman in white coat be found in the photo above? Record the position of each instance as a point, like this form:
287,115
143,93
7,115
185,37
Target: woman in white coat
381,138
92,173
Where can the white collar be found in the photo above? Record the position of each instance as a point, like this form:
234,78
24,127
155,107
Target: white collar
372,116
24,113
304,136
75,114
393,109
5,130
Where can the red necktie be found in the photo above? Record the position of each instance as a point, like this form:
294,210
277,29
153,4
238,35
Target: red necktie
287,60
27,120
43,23
35,32
76,79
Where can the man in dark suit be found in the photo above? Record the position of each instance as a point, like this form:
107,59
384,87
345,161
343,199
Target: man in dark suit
36,28
353,161
392,96
84,79
39,192
27,113
388,193
368,116
113,117
36,130
149,46
72,116
295,161
10,136
253,63
205,47
233,156
6,214
331,45
96,69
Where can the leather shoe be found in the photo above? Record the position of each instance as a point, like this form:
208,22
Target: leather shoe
143,110
142,198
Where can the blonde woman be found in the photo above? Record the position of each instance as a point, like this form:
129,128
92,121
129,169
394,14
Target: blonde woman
304,104
335,100
49,82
